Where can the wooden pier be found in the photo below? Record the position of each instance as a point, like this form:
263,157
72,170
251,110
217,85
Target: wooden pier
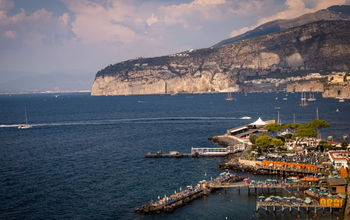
282,207
180,155
241,185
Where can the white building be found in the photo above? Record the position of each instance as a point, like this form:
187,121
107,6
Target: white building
339,158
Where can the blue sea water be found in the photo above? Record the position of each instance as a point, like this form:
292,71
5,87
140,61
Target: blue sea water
84,156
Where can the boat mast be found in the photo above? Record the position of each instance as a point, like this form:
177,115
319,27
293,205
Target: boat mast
25,115
294,118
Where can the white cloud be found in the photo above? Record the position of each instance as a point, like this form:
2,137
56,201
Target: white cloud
322,4
152,20
95,23
64,18
9,34
293,9
35,28
240,31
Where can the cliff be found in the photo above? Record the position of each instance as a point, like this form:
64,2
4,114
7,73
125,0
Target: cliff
341,91
315,47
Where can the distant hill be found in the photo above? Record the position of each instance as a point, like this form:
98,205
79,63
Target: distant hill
318,46
339,12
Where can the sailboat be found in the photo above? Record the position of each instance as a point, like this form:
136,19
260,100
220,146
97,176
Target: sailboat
26,125
303,100
311,97
229,97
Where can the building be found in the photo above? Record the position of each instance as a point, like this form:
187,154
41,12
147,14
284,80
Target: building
339,159
337,185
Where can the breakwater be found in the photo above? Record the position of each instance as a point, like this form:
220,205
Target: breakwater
169,203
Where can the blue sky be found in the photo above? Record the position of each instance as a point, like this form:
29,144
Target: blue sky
61,44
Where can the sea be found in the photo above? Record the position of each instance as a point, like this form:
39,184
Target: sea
84,156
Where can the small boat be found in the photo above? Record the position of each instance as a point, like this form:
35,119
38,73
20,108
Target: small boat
246,117
26,125
337,110
341,100
285,98
303,100
311,97
229,97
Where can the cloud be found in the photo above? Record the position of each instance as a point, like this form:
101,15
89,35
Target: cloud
292,9
322,4
179,13
240,31
35,28
152,20
9,34
6,5
96,22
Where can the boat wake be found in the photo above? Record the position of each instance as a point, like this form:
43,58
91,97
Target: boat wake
132,120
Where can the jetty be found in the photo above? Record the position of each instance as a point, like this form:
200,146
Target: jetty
199,152
168,203
283,206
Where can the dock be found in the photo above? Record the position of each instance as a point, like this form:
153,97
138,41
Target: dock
282,207
169,203
264,186
200,152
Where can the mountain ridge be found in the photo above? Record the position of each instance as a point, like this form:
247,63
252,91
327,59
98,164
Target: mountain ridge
337,12
319,46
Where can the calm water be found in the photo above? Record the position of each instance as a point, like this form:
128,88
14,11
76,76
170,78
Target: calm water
84,156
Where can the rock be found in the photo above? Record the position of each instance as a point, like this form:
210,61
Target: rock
324,45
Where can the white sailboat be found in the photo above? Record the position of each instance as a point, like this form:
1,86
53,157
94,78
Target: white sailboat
303,100
26,125
229,97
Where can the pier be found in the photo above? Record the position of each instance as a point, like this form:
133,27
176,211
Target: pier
200,152
177,199
263,186
284,206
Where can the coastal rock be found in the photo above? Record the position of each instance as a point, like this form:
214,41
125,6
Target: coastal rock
305,86
337,91
324,45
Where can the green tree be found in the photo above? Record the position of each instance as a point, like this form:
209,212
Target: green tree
275,127
292,126
317,124
277,142
304,132
344,145
252,138
263,141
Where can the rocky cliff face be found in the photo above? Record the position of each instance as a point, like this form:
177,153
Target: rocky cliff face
320,46
337,91
306,86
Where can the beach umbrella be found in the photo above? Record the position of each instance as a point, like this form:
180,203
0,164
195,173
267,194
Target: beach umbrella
268,199
341,195
307,200
261,197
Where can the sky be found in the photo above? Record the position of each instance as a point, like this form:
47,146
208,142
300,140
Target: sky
61,44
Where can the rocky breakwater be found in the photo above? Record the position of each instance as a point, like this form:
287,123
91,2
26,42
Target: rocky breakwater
321,45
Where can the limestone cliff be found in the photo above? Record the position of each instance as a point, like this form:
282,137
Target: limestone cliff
319,46
306,86
337,91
